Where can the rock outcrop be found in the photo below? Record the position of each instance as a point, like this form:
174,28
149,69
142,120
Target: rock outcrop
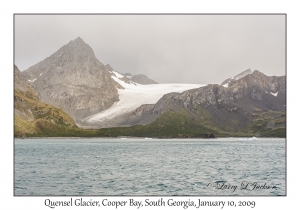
140,78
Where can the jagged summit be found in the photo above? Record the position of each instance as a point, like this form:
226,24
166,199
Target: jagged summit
228,81
242,74
258,73
78,39
78,42
76,51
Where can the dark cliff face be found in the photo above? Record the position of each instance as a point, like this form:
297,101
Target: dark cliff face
73,79
231,106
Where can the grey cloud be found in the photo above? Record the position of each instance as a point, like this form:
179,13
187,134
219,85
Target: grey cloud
167,48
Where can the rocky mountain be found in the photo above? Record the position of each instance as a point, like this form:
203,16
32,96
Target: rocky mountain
72,86
253,102
226,82
140,78
32,117
74,80
251,105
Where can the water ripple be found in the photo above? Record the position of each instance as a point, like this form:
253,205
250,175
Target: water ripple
144,167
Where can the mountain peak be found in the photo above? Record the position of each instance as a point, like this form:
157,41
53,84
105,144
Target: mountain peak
79,41
257,72
75,51
72,78
226,82
242,74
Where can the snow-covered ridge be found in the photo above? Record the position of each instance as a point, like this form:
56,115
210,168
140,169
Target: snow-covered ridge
134,95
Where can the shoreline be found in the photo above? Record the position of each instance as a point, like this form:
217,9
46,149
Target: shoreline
147,138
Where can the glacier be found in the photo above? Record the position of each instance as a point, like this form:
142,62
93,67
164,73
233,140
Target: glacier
134,95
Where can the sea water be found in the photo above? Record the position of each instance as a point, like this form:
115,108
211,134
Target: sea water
223,166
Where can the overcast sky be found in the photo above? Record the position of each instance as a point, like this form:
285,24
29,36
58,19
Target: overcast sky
167,48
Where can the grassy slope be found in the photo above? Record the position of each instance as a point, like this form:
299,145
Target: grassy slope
169,125
46,120
269,124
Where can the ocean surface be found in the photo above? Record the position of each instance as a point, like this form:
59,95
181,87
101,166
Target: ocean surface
164,167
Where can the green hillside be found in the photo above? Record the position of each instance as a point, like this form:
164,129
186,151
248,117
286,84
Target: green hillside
33,117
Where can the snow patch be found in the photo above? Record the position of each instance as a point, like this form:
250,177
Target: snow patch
274,94
118,75
225,85
32,80
40,74
124,84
